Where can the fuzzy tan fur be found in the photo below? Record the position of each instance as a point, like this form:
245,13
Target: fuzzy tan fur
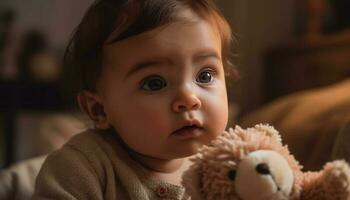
207,177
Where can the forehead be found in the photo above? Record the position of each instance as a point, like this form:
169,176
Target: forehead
181,37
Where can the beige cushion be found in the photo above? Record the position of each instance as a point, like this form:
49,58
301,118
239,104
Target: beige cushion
17,182
308,121
341,148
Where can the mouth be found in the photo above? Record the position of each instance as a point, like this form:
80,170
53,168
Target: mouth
188,131
280,195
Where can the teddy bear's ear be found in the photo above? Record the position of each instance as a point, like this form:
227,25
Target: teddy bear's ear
269,131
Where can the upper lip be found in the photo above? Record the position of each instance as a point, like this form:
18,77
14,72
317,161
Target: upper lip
192,122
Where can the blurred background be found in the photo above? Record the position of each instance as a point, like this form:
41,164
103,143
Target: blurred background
37,114
288,53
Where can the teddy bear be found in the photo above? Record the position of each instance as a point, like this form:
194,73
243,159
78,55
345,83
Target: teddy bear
253,164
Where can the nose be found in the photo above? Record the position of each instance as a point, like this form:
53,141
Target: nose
186,100
263,169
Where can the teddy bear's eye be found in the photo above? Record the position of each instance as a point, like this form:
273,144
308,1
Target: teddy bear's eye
231,174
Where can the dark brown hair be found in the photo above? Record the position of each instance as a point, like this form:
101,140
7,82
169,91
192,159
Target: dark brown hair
126,18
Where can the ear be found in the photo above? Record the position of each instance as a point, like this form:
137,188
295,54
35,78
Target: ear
269,131
91,104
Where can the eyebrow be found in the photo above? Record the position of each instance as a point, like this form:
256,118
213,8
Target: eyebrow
206,54
201,55
144,65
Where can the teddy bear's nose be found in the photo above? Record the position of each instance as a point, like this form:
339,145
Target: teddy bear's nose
263,168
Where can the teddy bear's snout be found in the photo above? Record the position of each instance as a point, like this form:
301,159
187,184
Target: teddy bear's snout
263,174
264,169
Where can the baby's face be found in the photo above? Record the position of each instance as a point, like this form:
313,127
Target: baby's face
164,90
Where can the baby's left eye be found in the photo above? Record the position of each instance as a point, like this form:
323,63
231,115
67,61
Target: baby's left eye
206,76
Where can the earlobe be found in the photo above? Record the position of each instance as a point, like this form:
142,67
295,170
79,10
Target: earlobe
91,104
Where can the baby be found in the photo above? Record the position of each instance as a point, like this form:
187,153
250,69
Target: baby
152,79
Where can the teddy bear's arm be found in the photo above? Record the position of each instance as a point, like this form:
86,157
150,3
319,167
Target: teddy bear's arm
332,183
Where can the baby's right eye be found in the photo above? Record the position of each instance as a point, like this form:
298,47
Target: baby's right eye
153,83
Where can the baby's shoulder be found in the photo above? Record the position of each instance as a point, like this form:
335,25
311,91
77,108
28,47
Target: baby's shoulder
93,144
84,152
85,139
78,168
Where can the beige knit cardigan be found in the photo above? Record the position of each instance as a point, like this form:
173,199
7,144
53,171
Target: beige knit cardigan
92,166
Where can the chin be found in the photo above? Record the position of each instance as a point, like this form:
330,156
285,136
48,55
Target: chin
188,150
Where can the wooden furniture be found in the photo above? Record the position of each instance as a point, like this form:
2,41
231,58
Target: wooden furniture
306,64
19,97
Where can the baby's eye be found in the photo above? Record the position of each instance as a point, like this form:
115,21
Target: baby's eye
153,83
206,76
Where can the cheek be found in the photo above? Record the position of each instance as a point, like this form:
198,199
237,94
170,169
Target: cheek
217,108
153,118
139,116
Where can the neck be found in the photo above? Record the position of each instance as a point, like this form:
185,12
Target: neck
156,164
152,163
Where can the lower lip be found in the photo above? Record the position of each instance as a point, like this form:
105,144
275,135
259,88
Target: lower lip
188,133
